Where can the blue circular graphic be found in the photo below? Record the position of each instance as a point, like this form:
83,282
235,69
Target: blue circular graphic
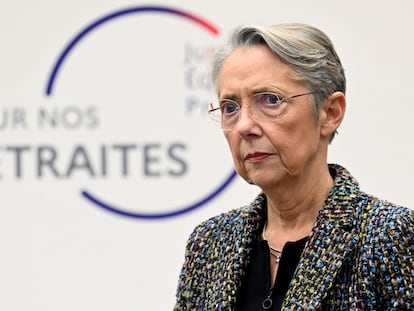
175,212
52,79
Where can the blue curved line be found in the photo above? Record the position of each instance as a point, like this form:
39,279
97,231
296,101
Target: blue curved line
212,29
109,17
149,216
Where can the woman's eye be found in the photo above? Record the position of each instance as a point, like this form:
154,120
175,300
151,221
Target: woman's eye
269,99
229,107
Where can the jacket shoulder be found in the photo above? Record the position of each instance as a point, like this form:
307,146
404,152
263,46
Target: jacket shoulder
387,232
379,214
224,222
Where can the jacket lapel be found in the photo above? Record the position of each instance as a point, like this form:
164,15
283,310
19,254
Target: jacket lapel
239,240
333,238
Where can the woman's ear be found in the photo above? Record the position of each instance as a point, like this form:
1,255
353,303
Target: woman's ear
332,113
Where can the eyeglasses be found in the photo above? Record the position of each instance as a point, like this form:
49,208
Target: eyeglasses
266,107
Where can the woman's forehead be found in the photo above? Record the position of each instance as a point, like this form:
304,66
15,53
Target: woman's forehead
254,69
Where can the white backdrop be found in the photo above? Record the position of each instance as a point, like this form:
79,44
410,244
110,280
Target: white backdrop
123,126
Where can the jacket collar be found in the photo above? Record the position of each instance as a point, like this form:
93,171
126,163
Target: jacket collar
333,238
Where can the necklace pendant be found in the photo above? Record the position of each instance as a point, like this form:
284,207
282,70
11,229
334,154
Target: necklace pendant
267,303
277,259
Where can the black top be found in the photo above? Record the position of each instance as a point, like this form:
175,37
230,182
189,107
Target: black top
256,287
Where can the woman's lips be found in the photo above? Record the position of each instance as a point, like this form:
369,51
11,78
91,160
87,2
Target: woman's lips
257,156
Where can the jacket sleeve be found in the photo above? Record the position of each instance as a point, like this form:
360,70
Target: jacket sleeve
188,280
396,257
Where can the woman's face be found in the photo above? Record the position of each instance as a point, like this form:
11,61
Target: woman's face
272,152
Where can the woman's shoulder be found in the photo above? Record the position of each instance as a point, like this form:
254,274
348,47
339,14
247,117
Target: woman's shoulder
384,219
235,220
227,220
374,207
371,211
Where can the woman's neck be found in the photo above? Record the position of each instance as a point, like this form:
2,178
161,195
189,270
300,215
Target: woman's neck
292,211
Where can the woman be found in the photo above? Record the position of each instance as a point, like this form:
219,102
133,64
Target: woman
312,240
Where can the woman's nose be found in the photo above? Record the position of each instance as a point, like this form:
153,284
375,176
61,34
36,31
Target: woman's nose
246,123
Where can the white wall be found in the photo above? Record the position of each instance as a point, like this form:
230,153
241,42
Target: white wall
124,132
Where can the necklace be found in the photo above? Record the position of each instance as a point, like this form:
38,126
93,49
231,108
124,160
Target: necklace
275,252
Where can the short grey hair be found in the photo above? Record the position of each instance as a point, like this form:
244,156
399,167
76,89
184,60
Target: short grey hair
306,50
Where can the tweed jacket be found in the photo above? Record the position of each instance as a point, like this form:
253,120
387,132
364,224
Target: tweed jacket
360,256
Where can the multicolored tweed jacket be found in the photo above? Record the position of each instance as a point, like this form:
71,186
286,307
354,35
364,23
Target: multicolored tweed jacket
360,256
